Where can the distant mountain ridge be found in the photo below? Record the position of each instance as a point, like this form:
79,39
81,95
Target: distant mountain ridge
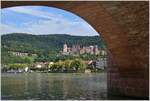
24,42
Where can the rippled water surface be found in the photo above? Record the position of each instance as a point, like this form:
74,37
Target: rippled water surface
54,86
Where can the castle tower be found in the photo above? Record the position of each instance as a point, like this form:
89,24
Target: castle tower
65,48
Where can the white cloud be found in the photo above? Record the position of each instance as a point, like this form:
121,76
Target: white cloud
56,25
64,27
37,13
11,29
51,27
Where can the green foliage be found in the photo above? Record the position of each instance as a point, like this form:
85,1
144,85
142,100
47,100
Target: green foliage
28,59
7,58
78,64
51,44
68,65
47,47
17,66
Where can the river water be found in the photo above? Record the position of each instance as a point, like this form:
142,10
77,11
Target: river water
53,86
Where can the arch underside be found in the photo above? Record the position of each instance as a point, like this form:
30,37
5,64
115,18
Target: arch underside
124,27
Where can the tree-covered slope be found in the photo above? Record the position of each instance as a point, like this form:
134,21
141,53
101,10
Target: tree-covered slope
45,43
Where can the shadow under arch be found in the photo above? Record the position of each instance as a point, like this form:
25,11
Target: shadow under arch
116,37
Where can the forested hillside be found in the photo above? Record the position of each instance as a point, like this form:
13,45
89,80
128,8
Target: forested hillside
45,43
46,47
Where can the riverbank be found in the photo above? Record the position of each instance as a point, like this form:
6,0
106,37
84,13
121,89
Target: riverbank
36,71
75,65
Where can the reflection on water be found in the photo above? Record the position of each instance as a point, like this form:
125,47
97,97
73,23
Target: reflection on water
54,86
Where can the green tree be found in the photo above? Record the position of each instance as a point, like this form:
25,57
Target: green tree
78,64
67,64
17,66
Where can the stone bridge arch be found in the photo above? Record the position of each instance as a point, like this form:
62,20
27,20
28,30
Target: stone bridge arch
124,27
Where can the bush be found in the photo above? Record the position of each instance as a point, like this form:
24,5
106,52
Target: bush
67,65
17,66
78,64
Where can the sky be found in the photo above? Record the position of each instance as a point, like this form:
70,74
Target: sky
40,20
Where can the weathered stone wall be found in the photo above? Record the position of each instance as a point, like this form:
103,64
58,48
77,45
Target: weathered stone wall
124,27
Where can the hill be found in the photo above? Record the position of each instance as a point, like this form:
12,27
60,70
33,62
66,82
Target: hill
45,43
45,46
